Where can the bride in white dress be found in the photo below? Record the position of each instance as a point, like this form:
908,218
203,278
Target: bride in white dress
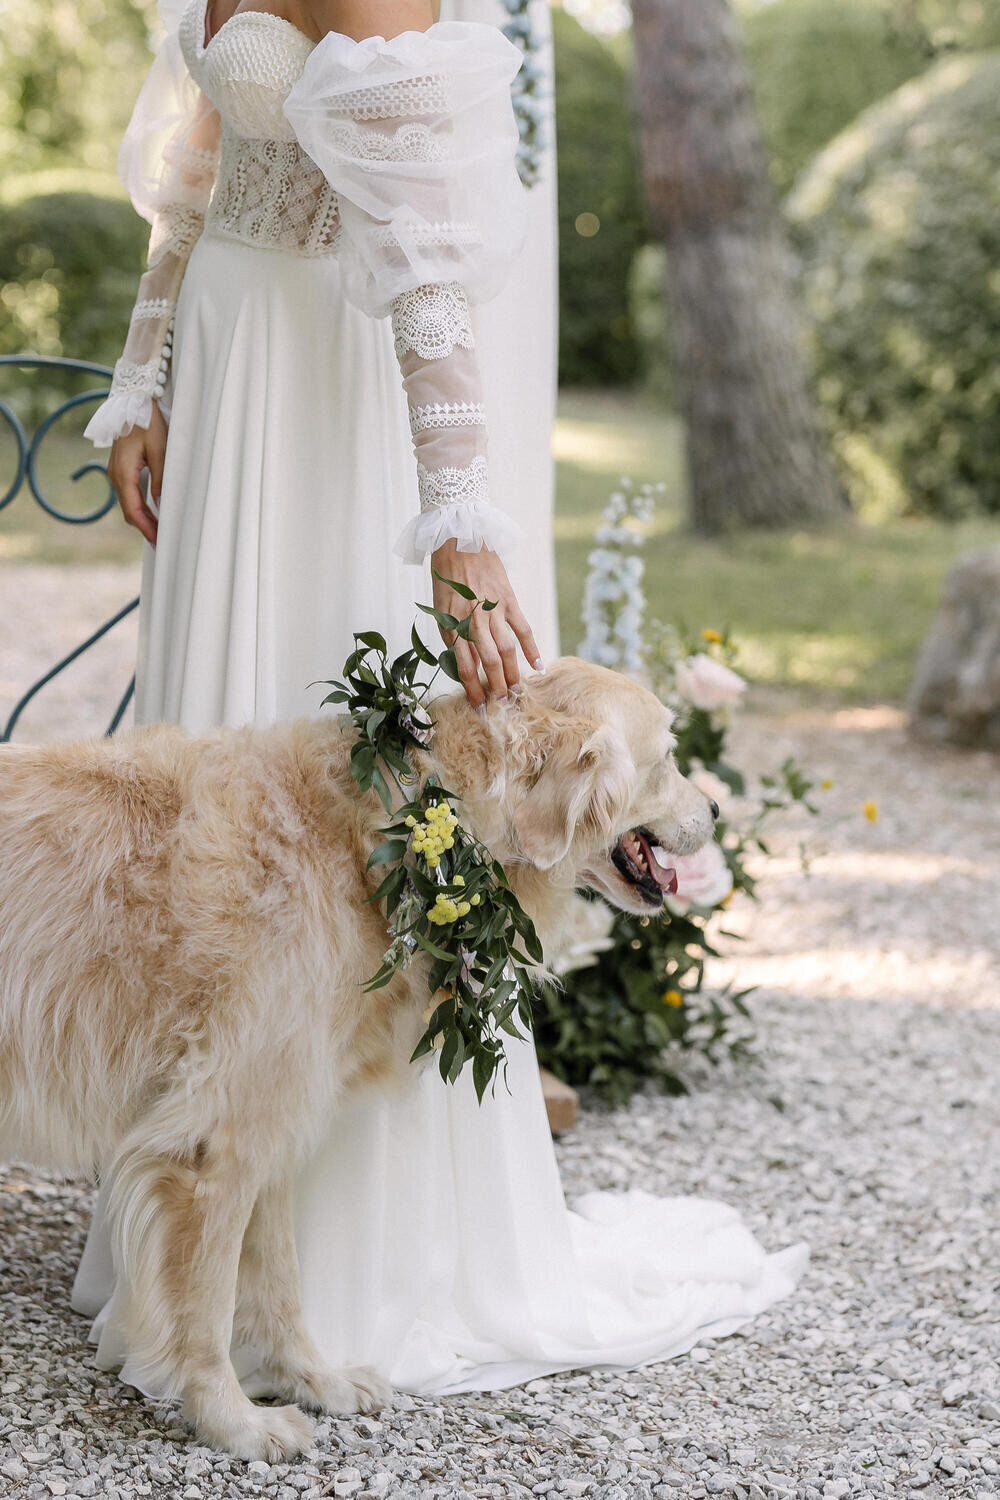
325,208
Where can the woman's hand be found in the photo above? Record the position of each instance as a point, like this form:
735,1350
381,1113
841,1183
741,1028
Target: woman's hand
142,448
495,633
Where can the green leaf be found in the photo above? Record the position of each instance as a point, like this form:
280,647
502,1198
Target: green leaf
423,651
422,1048
391,885
448,664
385,853
446,621
383,976
430,947
372,640
461,589
483,1069
493,974
449,1051
381,786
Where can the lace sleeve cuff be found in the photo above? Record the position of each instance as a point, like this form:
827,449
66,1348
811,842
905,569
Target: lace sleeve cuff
470,524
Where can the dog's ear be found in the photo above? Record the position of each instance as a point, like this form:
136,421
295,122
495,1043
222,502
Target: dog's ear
580,787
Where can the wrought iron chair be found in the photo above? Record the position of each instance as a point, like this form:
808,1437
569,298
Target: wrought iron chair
27,470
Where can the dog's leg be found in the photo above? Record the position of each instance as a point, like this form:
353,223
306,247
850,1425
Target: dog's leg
179,1227
269,1316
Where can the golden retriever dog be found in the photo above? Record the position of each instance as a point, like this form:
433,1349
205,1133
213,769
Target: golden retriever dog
183,944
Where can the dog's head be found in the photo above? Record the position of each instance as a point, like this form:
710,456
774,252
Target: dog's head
587,786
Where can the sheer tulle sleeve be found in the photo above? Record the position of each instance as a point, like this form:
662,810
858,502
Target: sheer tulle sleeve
418,138
167,162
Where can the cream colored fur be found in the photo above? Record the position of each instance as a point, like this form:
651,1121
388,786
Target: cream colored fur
183,942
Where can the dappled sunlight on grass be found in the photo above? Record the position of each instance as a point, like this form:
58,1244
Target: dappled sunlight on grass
840,612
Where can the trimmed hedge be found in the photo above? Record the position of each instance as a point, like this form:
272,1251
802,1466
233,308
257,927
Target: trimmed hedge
898,228
816,66
598,176
70,263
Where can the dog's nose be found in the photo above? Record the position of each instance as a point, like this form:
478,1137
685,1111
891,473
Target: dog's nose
715,809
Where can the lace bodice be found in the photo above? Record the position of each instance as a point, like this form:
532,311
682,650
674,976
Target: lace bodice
398,157
269,192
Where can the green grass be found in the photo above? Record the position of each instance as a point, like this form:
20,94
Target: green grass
835,614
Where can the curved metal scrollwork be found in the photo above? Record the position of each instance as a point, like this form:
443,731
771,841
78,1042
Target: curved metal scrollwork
27,472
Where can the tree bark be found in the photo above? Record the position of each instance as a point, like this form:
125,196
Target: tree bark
753,450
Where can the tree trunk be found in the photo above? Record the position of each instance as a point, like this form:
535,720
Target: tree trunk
753,451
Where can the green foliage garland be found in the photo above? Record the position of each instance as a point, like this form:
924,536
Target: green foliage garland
443,893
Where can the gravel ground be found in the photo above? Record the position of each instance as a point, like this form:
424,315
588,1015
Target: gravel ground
867,1128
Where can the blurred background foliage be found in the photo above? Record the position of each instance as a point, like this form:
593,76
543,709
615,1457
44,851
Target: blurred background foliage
898,224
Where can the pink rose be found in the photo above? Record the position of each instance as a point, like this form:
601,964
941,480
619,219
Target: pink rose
707,684
703,879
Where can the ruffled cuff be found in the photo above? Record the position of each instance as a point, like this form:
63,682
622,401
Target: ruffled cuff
117,415
470,524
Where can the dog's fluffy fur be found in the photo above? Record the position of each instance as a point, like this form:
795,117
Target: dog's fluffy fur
183,942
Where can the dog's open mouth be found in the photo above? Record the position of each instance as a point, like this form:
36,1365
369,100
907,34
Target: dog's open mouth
634,858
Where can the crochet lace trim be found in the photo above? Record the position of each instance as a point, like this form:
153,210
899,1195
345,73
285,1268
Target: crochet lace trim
432,320
401,97
447,414
410,141
451,486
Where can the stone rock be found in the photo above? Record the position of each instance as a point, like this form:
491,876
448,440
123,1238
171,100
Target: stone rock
956,688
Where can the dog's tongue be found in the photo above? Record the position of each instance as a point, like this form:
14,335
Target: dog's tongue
664,875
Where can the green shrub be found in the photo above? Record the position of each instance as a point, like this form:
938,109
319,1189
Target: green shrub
898,225
598,177
69,264
816,66
647,281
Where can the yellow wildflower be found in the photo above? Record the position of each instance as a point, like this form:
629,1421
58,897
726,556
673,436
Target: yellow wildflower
411,821
871,811
458,880
475,900
708,634
672,997
826,783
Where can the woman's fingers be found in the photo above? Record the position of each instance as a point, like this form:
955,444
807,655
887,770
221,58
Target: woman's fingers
506,644
155,454
489,655
468,671
125,482
519,625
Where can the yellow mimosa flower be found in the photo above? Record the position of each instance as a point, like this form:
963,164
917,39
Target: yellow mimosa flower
672,997
871,811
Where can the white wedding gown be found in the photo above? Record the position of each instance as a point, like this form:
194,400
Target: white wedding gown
434,1239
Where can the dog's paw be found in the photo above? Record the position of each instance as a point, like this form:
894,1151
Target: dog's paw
342,1392
272,1433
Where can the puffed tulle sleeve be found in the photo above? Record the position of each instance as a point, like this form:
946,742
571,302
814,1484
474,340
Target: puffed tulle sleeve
418,138
167,162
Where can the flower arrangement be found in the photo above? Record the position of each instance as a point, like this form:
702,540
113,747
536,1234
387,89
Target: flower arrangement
613,598
633,998
443,893
526,93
